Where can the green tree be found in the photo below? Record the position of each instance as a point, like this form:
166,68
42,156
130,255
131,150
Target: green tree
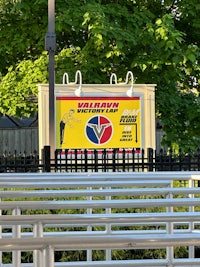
157,40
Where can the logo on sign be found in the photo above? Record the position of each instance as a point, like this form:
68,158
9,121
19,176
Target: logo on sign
99,130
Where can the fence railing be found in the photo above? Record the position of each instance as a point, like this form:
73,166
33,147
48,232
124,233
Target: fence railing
101,160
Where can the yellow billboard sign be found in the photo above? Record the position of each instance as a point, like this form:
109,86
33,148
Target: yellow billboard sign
98,122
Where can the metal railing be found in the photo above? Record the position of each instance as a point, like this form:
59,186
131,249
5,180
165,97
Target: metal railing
101,160
99,211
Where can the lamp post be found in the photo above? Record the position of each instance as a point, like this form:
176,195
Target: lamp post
50,46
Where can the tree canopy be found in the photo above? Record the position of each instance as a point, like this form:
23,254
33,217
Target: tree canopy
157,40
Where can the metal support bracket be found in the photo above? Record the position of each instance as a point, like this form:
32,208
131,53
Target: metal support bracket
50,41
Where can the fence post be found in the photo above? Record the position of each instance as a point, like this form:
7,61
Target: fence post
198,163
86,160
114,160
46,159
150,159
96,160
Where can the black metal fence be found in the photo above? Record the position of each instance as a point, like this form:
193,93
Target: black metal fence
101,160
20,162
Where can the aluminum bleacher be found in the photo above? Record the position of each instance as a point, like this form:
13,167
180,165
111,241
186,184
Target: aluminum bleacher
49,212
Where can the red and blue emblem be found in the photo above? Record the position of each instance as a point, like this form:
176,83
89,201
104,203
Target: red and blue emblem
99,130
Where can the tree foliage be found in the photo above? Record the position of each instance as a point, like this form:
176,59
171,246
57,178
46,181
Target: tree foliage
157,40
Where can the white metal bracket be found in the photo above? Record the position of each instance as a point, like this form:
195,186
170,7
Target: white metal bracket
78,78
129,76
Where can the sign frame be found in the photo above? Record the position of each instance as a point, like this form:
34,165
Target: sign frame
146,92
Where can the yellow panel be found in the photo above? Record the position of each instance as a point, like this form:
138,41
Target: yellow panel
98,122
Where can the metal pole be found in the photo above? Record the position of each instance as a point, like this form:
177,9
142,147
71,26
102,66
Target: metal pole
50,44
